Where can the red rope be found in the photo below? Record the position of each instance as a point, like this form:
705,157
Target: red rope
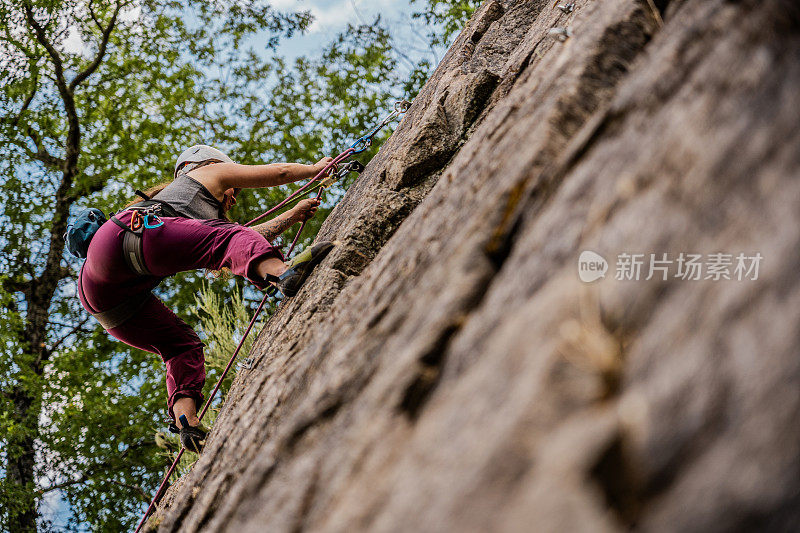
203,411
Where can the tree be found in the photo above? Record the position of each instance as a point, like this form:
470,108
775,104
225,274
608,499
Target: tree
446,17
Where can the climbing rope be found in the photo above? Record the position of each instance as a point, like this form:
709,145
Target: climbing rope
322,181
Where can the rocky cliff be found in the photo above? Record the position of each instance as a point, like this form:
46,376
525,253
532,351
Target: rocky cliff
446,369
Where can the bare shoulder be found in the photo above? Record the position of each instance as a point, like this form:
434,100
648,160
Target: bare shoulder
216,177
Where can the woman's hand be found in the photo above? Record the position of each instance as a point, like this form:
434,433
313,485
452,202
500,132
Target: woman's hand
322,163
306,209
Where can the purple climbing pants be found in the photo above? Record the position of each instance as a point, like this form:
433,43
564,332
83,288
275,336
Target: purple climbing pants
180,244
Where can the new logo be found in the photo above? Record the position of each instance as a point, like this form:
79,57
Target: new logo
591,266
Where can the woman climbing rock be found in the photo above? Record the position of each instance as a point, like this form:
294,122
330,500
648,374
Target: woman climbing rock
181,226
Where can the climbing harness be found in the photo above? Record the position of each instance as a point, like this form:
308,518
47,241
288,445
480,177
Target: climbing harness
336,171
145,215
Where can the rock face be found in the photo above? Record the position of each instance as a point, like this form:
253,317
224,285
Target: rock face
446,369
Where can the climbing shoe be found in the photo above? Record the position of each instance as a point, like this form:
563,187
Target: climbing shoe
300,268
192,437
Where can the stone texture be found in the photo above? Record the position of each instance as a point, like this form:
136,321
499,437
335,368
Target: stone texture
446,370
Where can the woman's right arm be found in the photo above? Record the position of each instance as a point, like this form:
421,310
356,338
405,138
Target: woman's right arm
304,210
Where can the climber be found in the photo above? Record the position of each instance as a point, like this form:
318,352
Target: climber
181,226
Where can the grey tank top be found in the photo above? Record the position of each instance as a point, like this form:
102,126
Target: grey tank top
191,199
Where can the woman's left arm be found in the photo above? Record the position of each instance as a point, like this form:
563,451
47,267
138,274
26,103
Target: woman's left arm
220,177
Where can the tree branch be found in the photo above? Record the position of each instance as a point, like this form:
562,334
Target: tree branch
71,332
38,30
106,34
63,484
67,96
11,285
137,488
95,186
63,198
27,102
59,324
41,153
94,17
90,472
84,479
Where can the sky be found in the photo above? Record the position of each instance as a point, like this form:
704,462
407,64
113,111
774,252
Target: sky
333,16
337,13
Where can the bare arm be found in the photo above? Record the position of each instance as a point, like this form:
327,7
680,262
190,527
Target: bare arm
220,177
271,229
302,211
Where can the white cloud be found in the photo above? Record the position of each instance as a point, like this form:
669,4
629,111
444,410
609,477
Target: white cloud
336,13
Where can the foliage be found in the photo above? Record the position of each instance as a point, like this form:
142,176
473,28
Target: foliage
80,124
319,106
223,320
447,17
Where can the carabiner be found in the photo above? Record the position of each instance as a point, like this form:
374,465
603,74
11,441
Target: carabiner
136,221
365,142
151,226
362,144
402,106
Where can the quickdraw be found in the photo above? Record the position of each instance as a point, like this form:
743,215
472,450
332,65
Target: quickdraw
365,141
136,221
361,144
331,170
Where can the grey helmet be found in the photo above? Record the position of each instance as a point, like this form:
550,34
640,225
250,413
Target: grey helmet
199,153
